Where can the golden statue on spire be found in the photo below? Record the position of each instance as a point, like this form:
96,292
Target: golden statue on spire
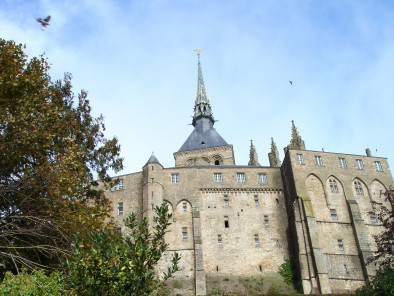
198,51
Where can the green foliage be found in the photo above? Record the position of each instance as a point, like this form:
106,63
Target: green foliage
122,265
287,272
381,285
51,149
177,284
273,291
35,283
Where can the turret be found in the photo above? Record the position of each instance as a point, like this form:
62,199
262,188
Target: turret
152,192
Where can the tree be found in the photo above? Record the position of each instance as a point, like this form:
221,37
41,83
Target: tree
384,254
51,148
113,264
381,285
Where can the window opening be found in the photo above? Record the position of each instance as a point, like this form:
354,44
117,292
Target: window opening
359,188
333,186
184,206
220,244
334,216
360,164
256,241
118,186
378,166
340,245
174,178
256,201
217,162
300,159
319,160
226,222
263,178
226,203
120,208
342,162
241,178
184,233
372,216
266,221
217,177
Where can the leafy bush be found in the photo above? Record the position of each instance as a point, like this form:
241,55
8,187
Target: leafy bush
35,283
381,285
286,271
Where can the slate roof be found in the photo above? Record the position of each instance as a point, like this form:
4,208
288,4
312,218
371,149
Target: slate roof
153,159
204,135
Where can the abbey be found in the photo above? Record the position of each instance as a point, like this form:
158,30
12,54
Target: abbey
314,208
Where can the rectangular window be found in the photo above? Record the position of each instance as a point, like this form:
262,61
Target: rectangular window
226,204
378,166
118,186
184,204
300,159
151,180
220,244
342,162
256,201
333,186
174,178
359,188
340,246
372,217
184,233
334,216
319,160
120,208
266,222
226,222
360,164
119,229
256,241
241,178
217,177
263,178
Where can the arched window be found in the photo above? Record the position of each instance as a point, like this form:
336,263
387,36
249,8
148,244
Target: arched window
333,186
359,188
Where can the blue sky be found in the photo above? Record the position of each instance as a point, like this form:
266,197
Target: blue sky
136,60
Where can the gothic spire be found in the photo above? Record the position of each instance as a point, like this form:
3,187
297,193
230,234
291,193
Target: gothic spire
273,156
202,108
253,159
296,140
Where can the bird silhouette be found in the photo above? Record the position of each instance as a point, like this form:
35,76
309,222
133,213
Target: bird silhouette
44,22
291,82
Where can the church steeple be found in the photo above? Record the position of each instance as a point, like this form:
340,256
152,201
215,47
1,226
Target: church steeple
202,108
296,140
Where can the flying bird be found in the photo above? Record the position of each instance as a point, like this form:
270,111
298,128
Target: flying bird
44,22
291,82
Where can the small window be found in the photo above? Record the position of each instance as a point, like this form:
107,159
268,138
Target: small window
360,164
359,188
174,178
118,186
263,178
241,178
226,203
120,208
184,233
217,177
220,244
226,222
334,216
342,162
266,222
184,205
300,159
345,269
333,186
152,193
378,166
256,241
217,162
152,167
340,246
151,180
119,229
153,206
256,201
372,216
319,160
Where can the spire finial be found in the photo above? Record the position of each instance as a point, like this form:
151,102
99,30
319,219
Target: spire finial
296,140
202,108
273,156
253,159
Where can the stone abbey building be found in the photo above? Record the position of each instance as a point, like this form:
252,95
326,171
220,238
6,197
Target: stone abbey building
241,220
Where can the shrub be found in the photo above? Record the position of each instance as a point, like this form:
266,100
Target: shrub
381,285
